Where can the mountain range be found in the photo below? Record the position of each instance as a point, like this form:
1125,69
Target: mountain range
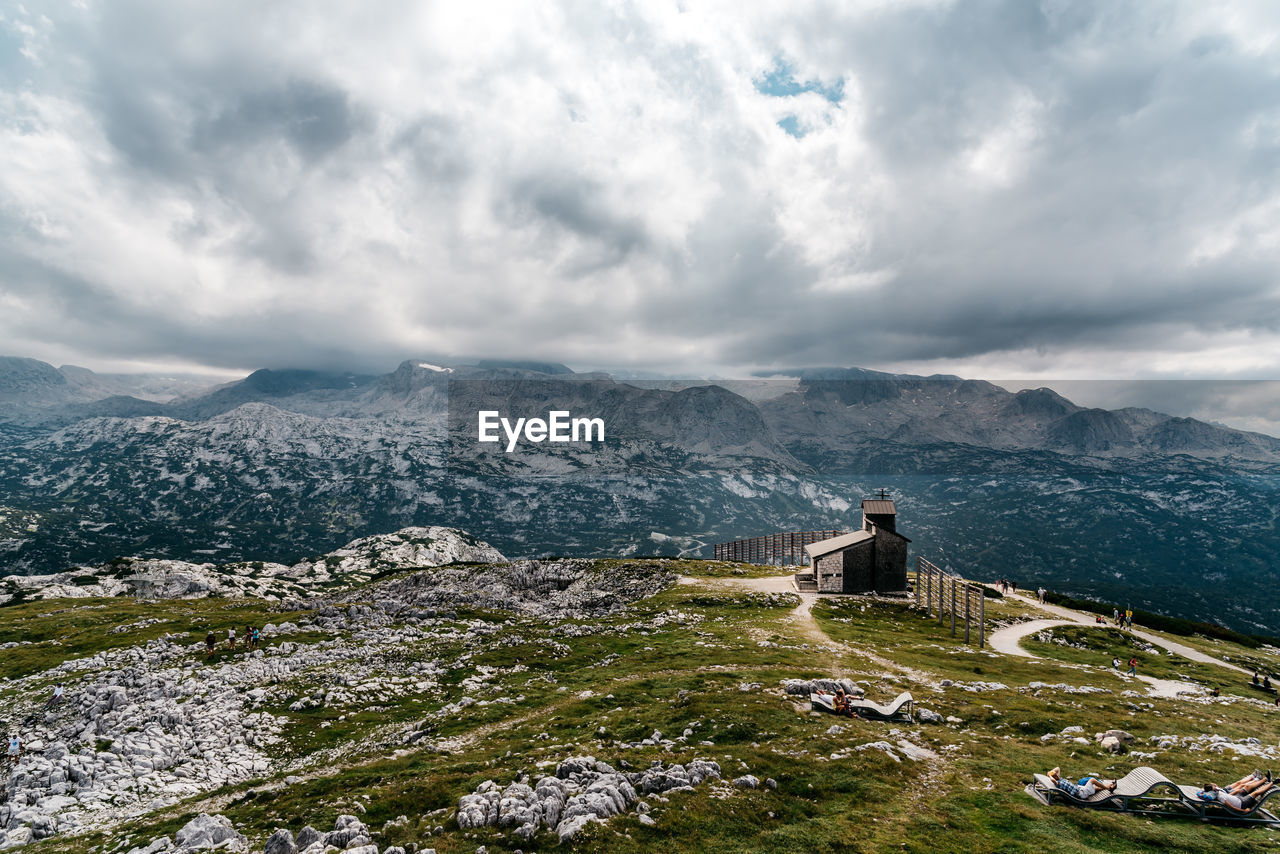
1166,513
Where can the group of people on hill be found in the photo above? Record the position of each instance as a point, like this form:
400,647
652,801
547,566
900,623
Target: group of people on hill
1243,794
1123,620
1009,586
14,752
252,640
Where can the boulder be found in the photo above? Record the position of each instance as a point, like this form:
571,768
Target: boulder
307,837
280,842
208,831
156,846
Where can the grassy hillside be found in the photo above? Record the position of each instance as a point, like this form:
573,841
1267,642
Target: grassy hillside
705,656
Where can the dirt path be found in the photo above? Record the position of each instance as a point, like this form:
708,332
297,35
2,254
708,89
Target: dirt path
1009,641
807,627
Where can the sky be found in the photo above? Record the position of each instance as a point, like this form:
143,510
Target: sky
1085,191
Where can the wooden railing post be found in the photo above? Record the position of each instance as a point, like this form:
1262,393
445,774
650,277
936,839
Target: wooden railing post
968,597
982,621
953,606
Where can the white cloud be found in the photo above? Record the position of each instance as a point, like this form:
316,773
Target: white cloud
1002,188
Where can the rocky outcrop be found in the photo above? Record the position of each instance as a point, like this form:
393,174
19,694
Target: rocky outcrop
582,790
353,564
349,835
538,588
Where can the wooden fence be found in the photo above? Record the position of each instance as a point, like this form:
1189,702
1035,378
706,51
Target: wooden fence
786,549
951,596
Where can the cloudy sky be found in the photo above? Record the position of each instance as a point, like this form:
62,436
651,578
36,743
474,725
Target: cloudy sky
1080,190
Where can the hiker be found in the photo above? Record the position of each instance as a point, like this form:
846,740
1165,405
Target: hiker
1255,682
210,643
1266,682
231,639
1014,586
1085,789
1115,664
248,637
257,638
1133,667
1040,594
1242,795
15,749
1115,615
1214,692
56,698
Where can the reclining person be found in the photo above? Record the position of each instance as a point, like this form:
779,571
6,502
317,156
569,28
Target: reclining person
1083,790
1241,795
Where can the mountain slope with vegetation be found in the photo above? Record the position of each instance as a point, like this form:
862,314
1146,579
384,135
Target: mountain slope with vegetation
661,694
1166,514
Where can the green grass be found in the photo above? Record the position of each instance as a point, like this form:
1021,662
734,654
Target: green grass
675,662
1102,644
62,629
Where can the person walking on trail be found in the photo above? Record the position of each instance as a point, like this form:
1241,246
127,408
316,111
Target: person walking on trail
1133,667
257,638
231,639
1115,615
15,749
56,698
1115,664
210,643
1040,595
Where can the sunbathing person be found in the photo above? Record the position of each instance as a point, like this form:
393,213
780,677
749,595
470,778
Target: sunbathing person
841,703
1240,795
1083,790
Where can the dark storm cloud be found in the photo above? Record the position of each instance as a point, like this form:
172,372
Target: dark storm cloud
1014,186
314,118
